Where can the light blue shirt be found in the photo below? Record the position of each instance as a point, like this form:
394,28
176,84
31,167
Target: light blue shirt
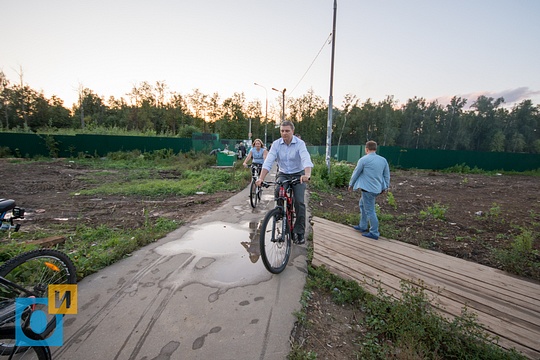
258,156
292,158
371,174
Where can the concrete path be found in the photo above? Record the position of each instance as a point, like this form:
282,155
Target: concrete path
202,292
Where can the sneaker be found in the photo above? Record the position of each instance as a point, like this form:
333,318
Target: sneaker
299,239
370,235
356,227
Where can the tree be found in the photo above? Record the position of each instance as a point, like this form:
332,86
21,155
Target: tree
485,123
5,97
525,120
450,123
303,112
91,108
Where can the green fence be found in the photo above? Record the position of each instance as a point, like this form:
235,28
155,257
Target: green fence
436,159
349,153
30,145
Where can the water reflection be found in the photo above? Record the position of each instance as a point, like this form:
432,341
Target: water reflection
252,246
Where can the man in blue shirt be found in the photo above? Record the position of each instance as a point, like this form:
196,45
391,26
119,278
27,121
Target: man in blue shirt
294,162
372,176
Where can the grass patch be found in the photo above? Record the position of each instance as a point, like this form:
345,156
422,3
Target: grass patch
408,326
208,181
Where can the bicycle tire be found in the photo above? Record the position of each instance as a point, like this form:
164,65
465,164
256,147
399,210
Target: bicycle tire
7,347
275,241
35,271
253,198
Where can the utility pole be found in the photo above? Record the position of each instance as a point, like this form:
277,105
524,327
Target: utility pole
265,116
330,100
283,106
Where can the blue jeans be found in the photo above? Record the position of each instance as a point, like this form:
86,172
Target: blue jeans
367,213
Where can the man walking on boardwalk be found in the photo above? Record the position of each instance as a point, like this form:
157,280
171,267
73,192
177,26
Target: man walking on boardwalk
372,177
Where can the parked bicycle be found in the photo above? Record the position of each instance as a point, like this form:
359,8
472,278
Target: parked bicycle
6,218
277,227
28,275
255,192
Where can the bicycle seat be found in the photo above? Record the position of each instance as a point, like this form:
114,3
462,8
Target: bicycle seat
6,205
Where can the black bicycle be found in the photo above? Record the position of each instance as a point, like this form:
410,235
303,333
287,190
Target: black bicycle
28,275
255,192
277,228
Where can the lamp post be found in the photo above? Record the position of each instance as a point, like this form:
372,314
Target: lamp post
265,115
283,109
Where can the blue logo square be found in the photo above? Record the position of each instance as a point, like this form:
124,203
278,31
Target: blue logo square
37,324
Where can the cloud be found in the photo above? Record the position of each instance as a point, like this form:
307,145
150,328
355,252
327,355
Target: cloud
510,96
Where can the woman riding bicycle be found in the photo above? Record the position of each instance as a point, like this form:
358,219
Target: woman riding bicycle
258,153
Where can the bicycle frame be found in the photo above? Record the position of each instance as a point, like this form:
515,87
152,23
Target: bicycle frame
286,202
255,170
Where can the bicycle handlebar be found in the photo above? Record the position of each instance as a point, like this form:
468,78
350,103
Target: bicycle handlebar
293,181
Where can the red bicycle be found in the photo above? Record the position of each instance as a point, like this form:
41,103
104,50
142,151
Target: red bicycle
277,228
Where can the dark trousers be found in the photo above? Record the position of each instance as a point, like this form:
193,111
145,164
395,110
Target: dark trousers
299,191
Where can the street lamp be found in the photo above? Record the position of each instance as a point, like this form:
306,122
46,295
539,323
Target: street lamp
265,115
283,109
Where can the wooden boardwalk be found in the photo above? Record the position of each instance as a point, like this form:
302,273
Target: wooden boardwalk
507,306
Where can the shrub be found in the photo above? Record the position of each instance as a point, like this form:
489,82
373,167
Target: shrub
340,174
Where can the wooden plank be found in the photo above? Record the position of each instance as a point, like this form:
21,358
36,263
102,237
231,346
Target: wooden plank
507,306
48,242
497,278
342,231
461,286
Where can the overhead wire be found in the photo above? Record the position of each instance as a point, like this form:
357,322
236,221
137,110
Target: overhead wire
327,41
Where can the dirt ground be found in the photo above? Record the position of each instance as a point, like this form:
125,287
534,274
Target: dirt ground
49,194
482,212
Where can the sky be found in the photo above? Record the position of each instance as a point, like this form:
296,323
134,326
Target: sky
433,49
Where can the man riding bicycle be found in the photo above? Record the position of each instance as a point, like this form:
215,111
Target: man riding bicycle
294,160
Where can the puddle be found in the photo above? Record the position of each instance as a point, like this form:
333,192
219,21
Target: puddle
222,253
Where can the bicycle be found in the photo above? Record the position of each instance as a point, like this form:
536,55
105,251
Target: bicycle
28,275
277,228
6,223
255,192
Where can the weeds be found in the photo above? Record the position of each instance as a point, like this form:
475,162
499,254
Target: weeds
409,325
521,257
437,211
463,169
391,200
494,210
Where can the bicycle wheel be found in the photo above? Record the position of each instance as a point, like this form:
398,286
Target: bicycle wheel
275,241
35,271
253,198
8,350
